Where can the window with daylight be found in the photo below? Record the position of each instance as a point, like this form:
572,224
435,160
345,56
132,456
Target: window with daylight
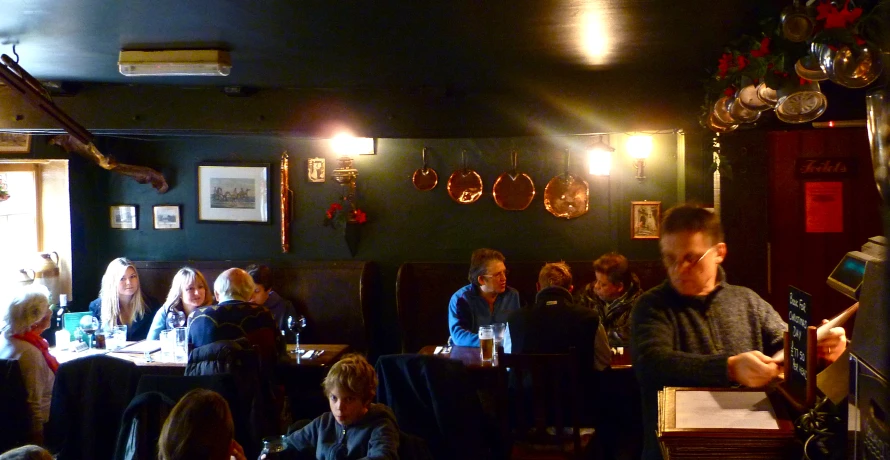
34,218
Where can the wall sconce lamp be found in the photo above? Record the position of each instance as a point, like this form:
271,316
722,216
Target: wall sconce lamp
599,157
639,147
347,147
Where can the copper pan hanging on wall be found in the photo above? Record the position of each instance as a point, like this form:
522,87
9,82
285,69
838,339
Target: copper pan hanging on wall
565,195
464,185
425,178
513,190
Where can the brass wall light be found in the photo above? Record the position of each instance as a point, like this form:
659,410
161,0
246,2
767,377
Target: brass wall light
639,147
599,157
347,147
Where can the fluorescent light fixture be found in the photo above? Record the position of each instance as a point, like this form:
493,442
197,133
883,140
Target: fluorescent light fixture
174,63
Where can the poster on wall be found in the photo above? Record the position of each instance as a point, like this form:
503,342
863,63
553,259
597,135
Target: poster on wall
824,205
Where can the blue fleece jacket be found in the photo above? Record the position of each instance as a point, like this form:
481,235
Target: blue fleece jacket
467,310
374,436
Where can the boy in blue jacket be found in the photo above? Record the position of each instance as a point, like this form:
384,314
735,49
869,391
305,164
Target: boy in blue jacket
355,428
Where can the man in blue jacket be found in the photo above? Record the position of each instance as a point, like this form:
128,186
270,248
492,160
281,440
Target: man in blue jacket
486,300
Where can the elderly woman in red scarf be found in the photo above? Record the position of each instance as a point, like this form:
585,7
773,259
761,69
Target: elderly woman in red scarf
25,317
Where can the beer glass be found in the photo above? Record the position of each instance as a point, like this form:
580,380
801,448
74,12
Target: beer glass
486,343
499,330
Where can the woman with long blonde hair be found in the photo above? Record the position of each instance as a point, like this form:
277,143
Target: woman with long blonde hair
121,301
188,292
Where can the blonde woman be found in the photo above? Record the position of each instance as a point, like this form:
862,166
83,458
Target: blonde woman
121,301
25,317
188,292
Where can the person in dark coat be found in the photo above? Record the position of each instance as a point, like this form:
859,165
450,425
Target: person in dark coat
612,295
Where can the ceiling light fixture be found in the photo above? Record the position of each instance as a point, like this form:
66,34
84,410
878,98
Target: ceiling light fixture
174,63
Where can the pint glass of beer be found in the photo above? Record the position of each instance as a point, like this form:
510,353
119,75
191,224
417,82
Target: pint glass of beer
486,343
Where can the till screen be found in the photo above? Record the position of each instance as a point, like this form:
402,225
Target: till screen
850,272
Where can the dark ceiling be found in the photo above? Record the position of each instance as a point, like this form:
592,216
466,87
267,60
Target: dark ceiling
653,51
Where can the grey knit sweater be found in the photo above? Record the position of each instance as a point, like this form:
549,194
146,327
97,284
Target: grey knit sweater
686,341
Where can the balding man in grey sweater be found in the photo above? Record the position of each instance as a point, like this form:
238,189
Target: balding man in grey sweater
697,330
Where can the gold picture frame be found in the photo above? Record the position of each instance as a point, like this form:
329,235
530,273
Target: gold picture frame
315,170
15,143
124,216
645,220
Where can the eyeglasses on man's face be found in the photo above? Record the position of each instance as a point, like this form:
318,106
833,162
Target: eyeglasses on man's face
689,260
501,275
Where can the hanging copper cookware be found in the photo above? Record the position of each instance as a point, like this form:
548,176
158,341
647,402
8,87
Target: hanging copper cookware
464,185
425,178
566,196
513,190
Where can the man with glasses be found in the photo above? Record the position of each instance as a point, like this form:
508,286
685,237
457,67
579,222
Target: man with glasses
486,300
695,329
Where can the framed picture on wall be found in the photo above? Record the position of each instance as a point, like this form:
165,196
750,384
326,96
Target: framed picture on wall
124,216
645,220
166,217
233,192
315,170
15,143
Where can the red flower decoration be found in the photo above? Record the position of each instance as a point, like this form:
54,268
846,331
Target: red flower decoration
730,91
835,18
360,216
763,50
336,207
742,62
725,62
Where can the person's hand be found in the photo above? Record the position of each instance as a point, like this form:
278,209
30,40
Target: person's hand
236,451
832,346
752,369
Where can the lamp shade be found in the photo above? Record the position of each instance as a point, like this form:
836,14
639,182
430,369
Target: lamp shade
639,146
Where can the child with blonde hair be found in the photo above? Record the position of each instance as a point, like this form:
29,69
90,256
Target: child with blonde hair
355,427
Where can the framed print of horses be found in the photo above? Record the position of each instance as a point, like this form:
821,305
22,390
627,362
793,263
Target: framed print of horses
233,192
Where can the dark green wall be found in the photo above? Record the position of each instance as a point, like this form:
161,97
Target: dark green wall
404,224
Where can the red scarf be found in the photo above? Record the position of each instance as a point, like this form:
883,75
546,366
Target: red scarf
34,339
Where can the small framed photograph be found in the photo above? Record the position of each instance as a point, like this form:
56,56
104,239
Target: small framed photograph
166,217
645,220
124,216
315,170
15,143
233,192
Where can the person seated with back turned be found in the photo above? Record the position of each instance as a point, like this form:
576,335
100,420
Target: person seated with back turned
263,295
29,452
486,300
555,323
235,316
27,315
695,329
121,301
612,295
355,428
188,292
200,427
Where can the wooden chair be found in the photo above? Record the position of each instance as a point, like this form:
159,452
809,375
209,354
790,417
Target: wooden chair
544,404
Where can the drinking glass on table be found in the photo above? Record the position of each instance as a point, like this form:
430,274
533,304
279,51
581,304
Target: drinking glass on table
180,343
168,345
498,329
89,325
296,324
119,333
486,343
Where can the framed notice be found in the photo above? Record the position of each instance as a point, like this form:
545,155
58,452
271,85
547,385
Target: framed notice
233,192
15,143
315,170
824,205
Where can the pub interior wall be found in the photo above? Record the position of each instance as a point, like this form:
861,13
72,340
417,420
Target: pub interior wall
404,224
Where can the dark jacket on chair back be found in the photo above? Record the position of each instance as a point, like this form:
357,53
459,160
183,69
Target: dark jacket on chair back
141,427
89,397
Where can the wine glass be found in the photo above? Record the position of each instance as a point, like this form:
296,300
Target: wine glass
89,325
175,318
296,324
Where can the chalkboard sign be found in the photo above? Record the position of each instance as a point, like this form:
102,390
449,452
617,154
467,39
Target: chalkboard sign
798,321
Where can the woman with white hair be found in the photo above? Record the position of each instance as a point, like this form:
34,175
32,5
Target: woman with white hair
121,301
26,316
188,292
